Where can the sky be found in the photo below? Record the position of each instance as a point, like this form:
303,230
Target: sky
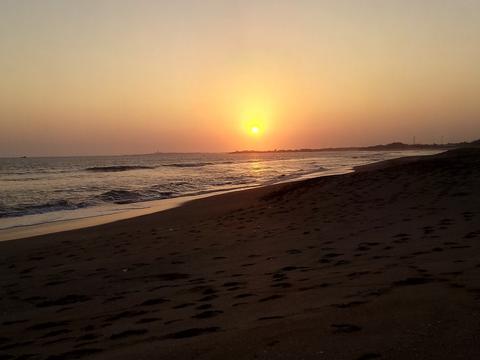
118,77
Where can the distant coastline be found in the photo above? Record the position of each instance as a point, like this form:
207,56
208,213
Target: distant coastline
395,146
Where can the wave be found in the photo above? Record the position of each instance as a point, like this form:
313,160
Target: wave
31,209
118,168
130,196
167,190
181,165
153,192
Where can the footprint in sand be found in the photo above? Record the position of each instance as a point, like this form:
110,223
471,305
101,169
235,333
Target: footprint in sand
191,332
369,356
269,298
270,318
345,328
128,333
207,314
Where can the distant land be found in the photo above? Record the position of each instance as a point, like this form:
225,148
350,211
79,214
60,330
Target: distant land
385,147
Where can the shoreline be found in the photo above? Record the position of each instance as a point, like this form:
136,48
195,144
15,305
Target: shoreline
60,221
42,222
132,210
114,213
378,263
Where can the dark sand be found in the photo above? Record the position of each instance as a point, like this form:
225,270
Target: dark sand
383,263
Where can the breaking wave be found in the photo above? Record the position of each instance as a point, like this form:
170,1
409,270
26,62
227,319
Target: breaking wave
31,209
181,165
118,168
130,196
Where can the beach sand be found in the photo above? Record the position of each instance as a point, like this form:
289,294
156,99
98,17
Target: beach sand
381,263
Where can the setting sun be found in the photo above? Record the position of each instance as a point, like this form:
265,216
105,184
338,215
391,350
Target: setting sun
256,120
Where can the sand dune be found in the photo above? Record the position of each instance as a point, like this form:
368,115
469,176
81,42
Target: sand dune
383,263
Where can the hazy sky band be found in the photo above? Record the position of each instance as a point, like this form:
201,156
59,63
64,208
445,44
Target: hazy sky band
85,77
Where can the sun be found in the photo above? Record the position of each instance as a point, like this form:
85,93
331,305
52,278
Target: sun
255,121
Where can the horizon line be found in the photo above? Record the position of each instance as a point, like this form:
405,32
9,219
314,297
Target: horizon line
300,149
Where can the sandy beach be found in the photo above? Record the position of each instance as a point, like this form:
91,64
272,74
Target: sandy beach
382,263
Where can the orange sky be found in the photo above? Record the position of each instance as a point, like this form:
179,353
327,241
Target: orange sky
116,77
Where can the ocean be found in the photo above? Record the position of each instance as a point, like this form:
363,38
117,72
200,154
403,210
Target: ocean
48,189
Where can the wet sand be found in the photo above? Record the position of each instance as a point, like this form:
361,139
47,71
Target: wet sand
383,263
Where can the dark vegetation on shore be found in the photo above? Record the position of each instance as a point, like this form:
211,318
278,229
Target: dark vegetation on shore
395,146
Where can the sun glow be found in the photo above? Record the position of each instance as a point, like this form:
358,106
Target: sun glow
255,121
254,127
